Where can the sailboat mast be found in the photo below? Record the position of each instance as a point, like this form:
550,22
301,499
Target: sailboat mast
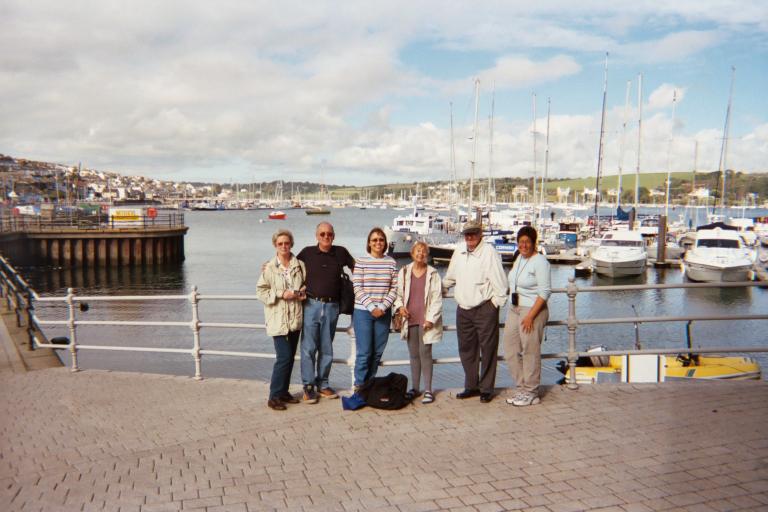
535,170
695,165
639,136
546,158
453,194
491,192
600,147
669,152
474,151
622,146
724,148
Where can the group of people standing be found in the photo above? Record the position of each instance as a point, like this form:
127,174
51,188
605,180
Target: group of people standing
301,296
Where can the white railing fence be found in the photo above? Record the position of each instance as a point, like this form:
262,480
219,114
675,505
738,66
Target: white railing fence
21,298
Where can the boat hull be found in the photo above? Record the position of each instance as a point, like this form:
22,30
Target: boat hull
711,274
613,268
670,368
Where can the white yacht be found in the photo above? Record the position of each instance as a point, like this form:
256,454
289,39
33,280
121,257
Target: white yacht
408,229
718,255
620,254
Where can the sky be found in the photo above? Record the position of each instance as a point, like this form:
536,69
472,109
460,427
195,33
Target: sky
359,93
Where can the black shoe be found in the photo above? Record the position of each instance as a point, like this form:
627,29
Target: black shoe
276,404
289,399
467,393
486,397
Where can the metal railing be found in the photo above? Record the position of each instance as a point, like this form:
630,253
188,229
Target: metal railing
92,223
21,298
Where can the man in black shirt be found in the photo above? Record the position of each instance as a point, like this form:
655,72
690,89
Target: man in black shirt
324,262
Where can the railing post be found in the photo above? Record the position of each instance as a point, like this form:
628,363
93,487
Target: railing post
30,307
352,355
573,322
196,333
72,329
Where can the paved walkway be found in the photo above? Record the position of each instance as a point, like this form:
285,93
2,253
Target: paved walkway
98,440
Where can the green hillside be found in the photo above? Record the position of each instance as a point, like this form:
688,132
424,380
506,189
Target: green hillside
651,180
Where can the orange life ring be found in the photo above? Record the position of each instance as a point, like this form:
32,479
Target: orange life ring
151,213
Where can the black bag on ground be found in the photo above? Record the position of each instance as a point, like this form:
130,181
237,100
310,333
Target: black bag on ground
385,392
347,298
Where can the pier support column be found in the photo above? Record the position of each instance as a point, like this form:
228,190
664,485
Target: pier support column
67,253
138,250
101,251
169,250
125,252
160,250
149,250
78,253
90,252
45,254
55,253
114,252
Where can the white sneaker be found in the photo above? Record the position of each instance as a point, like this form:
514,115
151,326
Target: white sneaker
517,397
525,399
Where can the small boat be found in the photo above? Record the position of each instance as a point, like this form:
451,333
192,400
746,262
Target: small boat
620,254
598,368
318,210
277,215
660,368
718,255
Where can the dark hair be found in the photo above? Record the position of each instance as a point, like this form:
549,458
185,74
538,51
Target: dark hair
368,240
528,231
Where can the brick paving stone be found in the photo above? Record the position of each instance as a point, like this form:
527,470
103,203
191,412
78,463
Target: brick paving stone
179,440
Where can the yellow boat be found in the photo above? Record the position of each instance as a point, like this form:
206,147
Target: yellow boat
661,368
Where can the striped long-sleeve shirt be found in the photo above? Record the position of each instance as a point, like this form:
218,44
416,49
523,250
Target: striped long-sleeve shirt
375,282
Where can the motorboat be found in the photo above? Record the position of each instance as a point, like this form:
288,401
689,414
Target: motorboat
406,230
718,255
277,215
620,254
318,210
598,369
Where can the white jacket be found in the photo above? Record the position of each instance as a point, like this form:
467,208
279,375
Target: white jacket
433,309
282,316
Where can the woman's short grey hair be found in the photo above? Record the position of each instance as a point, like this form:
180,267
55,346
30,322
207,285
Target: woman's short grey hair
282,232
419,244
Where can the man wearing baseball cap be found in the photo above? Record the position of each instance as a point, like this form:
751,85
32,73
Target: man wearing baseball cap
481,289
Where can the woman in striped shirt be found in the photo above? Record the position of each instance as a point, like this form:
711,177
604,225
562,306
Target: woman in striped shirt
375,282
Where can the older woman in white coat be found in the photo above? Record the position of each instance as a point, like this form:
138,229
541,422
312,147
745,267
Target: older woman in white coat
419,307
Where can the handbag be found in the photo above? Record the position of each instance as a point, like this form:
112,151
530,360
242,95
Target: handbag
347,297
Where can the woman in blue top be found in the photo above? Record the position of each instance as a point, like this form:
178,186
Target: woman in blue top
375,283
530,287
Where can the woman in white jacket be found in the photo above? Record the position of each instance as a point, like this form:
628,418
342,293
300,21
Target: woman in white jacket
281,288
419,306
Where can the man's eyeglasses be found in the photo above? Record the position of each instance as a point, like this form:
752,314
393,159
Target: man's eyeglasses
325,234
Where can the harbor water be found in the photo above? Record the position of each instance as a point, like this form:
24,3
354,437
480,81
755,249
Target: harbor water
224,253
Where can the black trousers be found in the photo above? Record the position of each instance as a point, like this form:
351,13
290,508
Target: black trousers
478,333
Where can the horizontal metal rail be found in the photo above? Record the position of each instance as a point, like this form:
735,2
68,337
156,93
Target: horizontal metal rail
572,323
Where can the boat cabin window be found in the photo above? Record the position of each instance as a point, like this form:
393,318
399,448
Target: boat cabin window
716,243
621,243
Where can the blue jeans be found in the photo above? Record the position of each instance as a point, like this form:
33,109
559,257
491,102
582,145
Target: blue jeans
317,341
285,350
371,335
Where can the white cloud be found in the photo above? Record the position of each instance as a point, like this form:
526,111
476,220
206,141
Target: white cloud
662,97
242,88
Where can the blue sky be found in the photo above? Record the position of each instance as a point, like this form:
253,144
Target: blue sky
250,90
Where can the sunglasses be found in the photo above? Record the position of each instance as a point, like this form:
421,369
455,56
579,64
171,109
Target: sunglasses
377,240
326,234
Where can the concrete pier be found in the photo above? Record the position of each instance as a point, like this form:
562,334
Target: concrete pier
79,248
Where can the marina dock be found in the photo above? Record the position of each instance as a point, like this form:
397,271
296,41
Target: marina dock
101,440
